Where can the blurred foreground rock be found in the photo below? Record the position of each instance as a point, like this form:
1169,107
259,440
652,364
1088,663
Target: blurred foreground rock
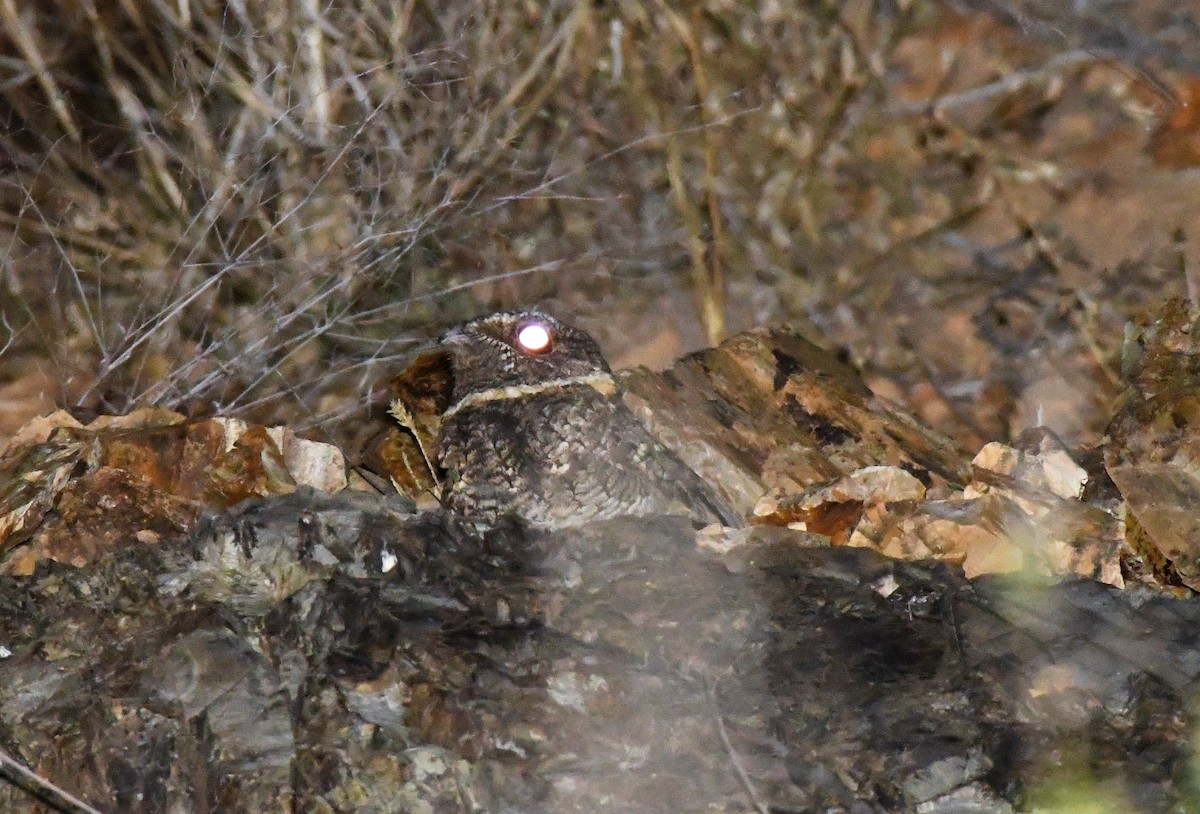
1153,455
337,654
342,651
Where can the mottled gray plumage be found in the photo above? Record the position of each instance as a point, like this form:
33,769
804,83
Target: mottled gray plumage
543,435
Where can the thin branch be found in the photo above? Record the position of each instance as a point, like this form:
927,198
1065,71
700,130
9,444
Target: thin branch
27,780
734,757
710,274
27,45
1010,83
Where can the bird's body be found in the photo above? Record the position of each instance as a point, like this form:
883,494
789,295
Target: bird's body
541,433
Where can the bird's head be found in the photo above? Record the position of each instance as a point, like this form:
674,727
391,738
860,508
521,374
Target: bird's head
520,351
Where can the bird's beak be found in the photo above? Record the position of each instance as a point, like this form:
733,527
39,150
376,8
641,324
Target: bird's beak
453,339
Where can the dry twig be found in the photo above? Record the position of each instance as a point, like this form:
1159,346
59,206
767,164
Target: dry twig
54,796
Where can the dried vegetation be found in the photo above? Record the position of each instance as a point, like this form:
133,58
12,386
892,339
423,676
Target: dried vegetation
257,204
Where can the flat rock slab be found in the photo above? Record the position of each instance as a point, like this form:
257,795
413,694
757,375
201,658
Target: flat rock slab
342,654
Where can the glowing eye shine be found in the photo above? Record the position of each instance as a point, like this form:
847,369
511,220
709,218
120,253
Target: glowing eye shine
534,337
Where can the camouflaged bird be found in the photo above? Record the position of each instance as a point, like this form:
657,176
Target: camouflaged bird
537,430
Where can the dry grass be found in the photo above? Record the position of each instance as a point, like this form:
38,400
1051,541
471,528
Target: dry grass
258,204
214,199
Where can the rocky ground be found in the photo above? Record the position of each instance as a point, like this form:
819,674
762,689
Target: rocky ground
966,448
190,624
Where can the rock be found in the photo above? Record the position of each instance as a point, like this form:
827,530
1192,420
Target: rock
1153,449
345,652
619,666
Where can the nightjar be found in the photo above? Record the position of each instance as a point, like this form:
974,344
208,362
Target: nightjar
537,429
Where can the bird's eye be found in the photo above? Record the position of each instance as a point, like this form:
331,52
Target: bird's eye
534,337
